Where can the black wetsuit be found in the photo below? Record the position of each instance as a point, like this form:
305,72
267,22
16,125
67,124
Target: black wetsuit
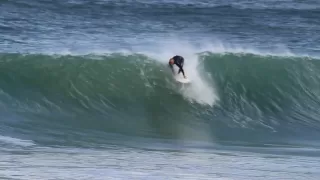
178,60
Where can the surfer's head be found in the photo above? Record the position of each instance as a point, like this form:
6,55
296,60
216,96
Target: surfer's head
171,61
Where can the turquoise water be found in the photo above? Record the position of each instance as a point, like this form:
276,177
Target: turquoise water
86,92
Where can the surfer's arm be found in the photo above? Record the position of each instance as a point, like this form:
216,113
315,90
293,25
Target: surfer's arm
171,67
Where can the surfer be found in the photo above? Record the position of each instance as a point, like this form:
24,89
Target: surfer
177,60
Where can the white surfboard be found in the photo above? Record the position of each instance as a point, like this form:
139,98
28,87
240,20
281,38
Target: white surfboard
182,79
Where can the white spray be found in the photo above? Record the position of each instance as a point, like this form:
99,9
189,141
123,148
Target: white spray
201,89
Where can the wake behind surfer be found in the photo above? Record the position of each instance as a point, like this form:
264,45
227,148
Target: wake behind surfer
177,60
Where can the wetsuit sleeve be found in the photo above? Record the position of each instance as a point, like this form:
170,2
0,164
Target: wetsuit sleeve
171,67
180,69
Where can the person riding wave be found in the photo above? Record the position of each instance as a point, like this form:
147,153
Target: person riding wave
177,60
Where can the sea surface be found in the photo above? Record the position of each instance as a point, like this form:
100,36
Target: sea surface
86,92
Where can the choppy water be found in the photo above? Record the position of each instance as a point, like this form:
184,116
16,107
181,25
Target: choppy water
85,90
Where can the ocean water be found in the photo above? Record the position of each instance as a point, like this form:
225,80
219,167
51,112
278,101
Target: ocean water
86,92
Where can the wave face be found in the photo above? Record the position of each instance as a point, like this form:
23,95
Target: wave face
233,97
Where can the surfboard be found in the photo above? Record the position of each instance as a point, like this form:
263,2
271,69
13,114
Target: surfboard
181,79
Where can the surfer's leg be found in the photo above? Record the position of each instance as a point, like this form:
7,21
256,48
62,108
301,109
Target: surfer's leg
181,65
181,61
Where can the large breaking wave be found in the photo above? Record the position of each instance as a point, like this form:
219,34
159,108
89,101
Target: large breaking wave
233,96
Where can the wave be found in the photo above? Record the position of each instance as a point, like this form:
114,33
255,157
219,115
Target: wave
14,141
233,96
